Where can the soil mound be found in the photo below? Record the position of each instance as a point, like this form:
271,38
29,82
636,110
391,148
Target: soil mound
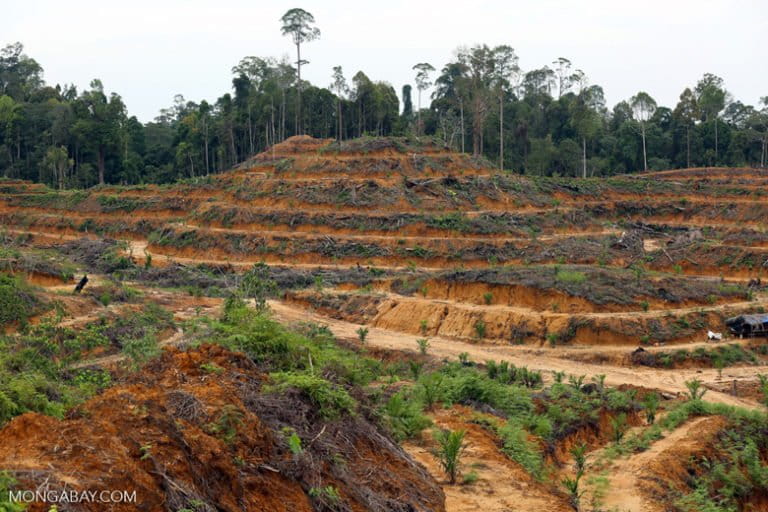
200,430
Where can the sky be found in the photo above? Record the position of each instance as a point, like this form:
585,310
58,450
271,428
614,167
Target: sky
149,51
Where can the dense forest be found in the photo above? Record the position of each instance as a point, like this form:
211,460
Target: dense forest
547,121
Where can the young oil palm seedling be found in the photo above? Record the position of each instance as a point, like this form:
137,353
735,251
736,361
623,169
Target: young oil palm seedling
696,390
450,446
651,405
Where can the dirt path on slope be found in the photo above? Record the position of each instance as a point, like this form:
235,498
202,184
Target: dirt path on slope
501,486
670,381
623,494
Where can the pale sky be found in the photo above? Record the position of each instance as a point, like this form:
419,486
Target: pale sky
148,51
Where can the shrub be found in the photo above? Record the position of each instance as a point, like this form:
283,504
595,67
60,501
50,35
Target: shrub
517,446
403,417
488,298
229,421
141,349
696,390
618,427
331,400
449,450
431,389
7,483
480,329
423,344
470,478
570,276
258,285
415,367
362,334
572,488
651,405
17,302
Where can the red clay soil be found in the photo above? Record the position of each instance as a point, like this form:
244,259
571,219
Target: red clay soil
160,434
501,483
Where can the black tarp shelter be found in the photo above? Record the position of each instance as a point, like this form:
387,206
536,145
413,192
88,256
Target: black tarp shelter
748,325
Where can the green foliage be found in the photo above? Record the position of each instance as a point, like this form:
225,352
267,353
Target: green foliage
470,478
618,427
269,343
696,390
651,405
35,372
258,285
142,349
480,329
423,344
403,417
362,334
7,483
518,447
331,400
450,446
17,300
328,495
415,367
568,276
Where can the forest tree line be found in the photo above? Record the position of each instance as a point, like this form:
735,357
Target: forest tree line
547,121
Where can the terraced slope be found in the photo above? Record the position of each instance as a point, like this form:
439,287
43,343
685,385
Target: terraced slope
655,258
404,240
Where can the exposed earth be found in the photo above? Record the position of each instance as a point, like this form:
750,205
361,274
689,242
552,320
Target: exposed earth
603,288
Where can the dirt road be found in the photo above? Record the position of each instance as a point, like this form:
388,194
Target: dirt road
669,381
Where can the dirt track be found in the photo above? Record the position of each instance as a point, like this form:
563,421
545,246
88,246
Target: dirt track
663,380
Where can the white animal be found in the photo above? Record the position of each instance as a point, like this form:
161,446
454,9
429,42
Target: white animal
718,336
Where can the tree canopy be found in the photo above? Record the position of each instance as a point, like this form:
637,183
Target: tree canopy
547,121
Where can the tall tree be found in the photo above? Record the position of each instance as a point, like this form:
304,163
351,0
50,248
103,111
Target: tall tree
10,117
363,95
478,63
19,74
58,161
451,92
298,24
99,123
586,117
643,107
505,72
711,96
687,113
423,82
407,105
339,86
760,120
562,71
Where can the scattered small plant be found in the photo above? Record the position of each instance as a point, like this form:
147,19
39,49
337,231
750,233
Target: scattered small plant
651,405
449,450
696,389
480,329
618,427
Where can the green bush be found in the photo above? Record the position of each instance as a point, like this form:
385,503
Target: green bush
331,400
17,301
517,446
570,276
403,417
